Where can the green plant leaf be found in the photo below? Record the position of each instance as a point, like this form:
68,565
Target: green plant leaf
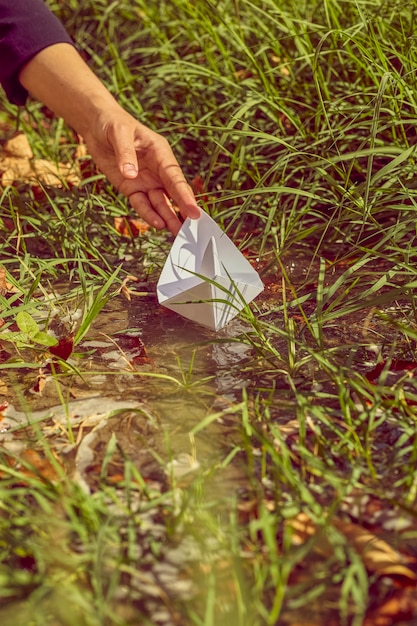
27,324
44,339
17,338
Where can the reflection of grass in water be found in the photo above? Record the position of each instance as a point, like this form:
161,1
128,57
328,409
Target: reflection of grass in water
303,127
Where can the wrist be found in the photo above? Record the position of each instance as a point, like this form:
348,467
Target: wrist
93,110
58,77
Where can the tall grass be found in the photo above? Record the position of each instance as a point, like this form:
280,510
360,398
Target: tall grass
300,117
297,116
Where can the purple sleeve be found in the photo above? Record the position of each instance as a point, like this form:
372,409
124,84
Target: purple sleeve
26,28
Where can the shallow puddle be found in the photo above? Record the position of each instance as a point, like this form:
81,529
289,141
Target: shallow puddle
159,391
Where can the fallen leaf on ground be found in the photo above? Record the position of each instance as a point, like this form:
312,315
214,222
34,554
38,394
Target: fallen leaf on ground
377,555
133,348
32,463
124,289
40,383
18,164
130,227
17,147
53,175
396,365
5,287
303,529
64,347
85,164
401,607
197,185
39,465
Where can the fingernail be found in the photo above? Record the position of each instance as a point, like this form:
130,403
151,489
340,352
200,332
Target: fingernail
129,170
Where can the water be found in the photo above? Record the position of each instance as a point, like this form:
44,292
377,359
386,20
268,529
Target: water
169,392
150,379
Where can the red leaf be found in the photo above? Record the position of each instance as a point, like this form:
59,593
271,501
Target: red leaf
197,185
64,347
396,365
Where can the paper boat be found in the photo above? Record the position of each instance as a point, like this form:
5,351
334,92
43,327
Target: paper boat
206,278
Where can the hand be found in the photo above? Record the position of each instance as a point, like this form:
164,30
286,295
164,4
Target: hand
136,160
142,166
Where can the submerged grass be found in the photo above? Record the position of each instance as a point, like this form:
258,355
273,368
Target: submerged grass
300,119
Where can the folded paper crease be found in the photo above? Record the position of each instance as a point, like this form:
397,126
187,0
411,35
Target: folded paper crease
205,277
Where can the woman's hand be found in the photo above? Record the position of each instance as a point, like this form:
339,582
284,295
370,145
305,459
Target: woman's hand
142,166
135,159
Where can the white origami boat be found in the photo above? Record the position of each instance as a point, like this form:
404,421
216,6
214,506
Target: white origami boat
206,278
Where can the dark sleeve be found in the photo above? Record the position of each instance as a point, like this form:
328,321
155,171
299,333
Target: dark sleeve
26,28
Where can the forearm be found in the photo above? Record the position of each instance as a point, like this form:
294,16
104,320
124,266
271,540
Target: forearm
135,159
58,77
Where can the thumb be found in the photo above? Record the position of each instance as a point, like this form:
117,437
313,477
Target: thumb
122,142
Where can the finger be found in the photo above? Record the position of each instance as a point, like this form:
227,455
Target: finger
142,206
163,206
179,190
122,142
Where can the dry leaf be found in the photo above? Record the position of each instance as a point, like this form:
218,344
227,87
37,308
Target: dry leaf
81,150
130,226
16,169
18,147
33,464
39,465
18,165
54,175
40,383
377,555
5,286
398,608
304,528
197,185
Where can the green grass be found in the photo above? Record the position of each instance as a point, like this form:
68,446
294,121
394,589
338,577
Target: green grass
300,117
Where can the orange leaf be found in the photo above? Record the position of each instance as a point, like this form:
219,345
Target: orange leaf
5,287
130,226
41,466
377,555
